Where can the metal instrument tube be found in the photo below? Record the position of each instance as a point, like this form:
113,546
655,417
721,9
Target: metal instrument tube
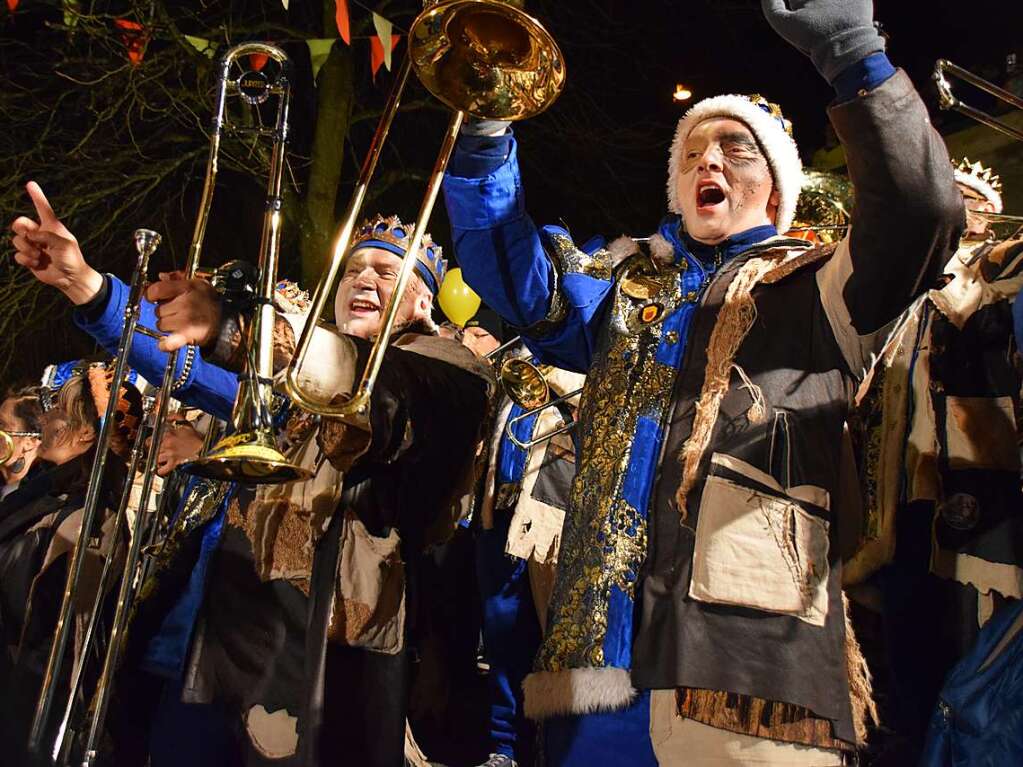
62,632
339,252
569,425
101,587
948,100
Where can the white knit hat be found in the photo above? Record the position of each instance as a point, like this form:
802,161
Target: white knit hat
773,134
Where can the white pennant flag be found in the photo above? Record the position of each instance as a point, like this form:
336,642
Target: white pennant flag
285,4
383,28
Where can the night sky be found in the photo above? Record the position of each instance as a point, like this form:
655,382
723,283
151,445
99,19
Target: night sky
628,61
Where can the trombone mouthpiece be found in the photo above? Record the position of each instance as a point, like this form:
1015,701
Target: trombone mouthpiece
146,241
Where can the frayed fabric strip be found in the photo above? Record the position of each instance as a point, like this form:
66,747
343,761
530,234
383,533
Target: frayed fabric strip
577,691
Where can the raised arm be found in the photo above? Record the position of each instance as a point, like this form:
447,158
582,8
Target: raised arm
51,253
908,214
197,382
516,268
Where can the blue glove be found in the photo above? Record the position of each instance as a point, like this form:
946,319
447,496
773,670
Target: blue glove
835,34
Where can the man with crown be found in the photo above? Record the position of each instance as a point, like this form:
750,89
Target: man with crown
224,622
697,615
941,464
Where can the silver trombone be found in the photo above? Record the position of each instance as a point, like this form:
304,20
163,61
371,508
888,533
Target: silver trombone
146,242
948,100
254,88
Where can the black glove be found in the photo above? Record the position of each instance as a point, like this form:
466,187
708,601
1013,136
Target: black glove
834,33
473,126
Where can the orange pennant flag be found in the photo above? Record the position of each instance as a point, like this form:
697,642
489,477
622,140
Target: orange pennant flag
12,5
258,60
376,52
135,38
344,28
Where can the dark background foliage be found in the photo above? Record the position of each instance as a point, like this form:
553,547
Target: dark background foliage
118,146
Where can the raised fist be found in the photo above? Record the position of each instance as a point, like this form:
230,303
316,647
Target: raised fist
835,34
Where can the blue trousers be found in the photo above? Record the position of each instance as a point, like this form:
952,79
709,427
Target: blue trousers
603,739
511,637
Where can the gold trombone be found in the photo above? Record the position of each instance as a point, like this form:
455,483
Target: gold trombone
251,454
948,100
527,386
482,58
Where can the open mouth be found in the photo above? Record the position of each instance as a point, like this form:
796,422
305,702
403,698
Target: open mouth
708,194
359,307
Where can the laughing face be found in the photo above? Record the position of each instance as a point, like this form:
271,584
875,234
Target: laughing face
366,287
724,184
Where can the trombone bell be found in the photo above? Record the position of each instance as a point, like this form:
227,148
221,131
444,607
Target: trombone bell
250,454
486,58
250,457
525,383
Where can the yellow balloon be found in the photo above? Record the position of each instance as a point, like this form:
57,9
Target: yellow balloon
459,302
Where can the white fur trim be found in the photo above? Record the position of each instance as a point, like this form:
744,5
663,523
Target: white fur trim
621,248
779,147
662,251
980,187
577,691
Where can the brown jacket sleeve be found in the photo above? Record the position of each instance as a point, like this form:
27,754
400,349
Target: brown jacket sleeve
907,219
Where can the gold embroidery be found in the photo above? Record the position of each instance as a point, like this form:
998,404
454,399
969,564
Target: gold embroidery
199,508
572,260
605,538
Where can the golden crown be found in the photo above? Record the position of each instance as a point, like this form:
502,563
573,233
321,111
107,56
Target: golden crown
979,172
772,109
390,230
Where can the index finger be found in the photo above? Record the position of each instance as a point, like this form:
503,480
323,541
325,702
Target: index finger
42,205
165,290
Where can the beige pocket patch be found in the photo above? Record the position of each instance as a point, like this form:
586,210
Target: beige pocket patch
981,433
758,550
369,605
275,735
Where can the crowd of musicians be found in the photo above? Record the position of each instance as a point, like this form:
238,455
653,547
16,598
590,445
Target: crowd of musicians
778,436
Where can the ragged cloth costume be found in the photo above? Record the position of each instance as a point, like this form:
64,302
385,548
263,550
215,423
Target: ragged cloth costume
940,462
698,581
234,647
521,514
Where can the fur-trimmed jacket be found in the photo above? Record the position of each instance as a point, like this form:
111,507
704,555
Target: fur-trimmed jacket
718,382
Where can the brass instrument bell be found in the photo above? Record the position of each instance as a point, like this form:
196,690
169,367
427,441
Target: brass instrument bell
525,383
483,58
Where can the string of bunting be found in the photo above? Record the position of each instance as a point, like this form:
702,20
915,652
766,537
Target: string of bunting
136,37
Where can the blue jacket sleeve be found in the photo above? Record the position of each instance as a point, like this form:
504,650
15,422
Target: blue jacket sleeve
204,386
503,258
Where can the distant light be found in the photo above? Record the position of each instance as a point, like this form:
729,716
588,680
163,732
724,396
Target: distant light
682,93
